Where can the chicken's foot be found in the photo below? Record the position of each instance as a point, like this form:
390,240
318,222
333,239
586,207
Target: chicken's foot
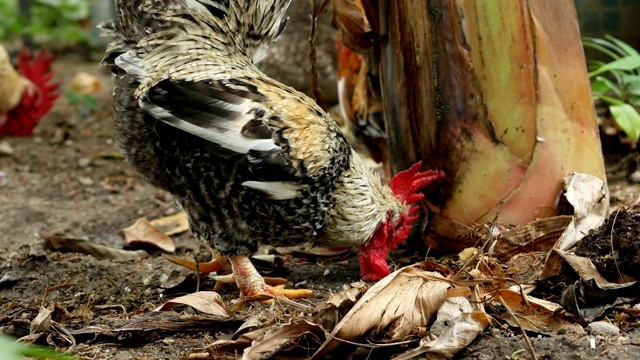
251,283
245,276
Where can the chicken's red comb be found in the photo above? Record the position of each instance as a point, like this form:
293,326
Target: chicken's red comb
407,183
39,72
405,186
35,102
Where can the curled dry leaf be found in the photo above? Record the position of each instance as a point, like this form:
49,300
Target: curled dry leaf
287,337
42,322
464,329
450,310
538,235
590,299
158,321
230,347
173,224
96,250
143,233
328,313
535,314
397,306
583,266
208,302
589,197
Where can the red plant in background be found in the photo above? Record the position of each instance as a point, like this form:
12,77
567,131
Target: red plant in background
37,98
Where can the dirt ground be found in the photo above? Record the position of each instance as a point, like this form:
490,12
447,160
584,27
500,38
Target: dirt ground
67,181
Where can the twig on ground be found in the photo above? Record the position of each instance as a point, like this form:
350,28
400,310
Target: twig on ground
524,332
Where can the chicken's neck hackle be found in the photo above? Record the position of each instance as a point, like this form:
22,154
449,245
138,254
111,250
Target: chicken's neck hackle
193,40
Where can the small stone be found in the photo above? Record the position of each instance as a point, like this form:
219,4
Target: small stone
84,162
572,329
635,177
603,328
85,181
5,148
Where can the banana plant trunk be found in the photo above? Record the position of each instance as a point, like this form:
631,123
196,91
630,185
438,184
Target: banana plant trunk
495,93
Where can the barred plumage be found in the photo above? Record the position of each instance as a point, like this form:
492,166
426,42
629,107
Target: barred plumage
250,160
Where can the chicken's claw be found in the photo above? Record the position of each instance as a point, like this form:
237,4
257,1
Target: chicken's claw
253,284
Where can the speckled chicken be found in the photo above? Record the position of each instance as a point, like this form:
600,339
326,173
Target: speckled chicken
250,160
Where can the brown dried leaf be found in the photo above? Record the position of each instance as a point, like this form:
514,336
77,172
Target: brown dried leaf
159,321
83,312
231,347
461,333
350,19
328,313
538,235
143,233
534,314
208,302
581,265
58,313
42,322
284,337
173,224
96,250
396,306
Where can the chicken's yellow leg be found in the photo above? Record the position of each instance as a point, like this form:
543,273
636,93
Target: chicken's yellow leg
251,283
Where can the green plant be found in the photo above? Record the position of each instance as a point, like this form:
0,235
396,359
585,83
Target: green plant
84,104
617,83
12,350
12,24
50,21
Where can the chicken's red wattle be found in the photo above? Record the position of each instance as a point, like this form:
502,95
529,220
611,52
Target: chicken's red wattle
406,185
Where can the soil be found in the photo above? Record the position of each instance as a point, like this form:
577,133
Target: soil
67,181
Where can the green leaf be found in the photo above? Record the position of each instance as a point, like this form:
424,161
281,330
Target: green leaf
625,64
9,349
90,102
628,49
602,85
604,46
627,117
610,100
12,350
632,84
73,97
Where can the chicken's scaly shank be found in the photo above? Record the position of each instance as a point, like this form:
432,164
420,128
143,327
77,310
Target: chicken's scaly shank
250,160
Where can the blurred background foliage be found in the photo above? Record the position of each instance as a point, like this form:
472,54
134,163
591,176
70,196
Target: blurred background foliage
56,23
